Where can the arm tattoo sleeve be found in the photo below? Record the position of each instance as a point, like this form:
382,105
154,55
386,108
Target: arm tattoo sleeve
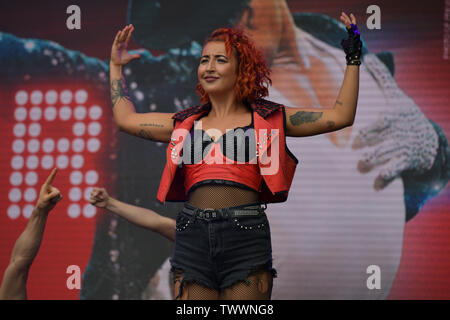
118,91
302,117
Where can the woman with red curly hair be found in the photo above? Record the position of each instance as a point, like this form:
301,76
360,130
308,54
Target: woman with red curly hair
227,173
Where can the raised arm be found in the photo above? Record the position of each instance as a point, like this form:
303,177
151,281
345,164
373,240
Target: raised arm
312,121
25,249
154,126
140,216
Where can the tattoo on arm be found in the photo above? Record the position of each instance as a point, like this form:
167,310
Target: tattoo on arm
118,91
339,102
152,125
330,124
145,134
302,117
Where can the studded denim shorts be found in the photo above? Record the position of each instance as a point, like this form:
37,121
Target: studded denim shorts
220,251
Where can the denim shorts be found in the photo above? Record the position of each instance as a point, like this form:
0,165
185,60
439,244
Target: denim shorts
220,252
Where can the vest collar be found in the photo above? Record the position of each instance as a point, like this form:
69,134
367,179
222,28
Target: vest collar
261,106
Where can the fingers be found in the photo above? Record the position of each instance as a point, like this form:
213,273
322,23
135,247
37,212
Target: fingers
130,31
345,19
385,152
116,37
348,20
373,133
50,178
98,194
56,199
124,33
390,172
54,196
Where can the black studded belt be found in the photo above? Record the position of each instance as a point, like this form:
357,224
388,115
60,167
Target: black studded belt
211,213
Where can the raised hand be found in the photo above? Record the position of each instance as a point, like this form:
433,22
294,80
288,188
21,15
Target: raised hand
353,45
49,195
119,53
99,197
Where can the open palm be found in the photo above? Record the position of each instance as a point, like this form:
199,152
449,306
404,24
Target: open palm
119,53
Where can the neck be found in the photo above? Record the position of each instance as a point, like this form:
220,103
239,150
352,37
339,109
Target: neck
223,106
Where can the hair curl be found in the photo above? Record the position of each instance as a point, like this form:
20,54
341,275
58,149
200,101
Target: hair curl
253,74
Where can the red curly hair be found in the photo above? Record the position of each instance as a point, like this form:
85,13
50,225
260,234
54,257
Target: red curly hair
253,74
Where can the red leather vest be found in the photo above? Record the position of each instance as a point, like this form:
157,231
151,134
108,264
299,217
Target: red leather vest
277,164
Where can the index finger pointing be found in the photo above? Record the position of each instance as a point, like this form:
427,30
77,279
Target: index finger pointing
51,176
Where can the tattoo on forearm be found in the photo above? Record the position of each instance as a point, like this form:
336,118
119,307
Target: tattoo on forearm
330,124
302,117
118,91
152,125
145,134
339,102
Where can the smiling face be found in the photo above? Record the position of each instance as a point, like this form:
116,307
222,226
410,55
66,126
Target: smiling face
217,72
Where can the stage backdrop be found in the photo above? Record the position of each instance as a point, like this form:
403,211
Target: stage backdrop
335,238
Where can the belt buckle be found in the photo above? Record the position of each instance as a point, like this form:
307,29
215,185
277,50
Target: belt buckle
209,211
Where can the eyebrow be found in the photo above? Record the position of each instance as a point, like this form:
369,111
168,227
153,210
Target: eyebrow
217,56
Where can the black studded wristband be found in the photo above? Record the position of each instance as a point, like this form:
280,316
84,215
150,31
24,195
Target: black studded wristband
352,46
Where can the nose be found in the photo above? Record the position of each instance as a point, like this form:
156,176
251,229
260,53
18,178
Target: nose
210,66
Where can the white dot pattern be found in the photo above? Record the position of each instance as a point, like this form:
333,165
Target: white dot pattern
91,177
32,162
50,113
31,178
48,145
18,146
34,129
20,114
30,195
13,211
62,161
81,96
15,195
78,129
65,113
33,145
94,128
36,146
78,145
75,194
76,177
51,97
16,179
17,162
89,211
21,97
27,211
80,113
36,97
35,113
19,130
74,210
47,162
66,97
63,145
